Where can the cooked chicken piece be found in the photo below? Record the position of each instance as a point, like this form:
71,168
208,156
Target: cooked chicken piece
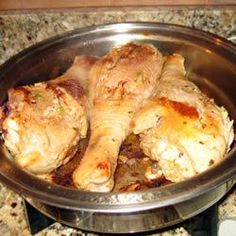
181,128
79,72
119,83
42,123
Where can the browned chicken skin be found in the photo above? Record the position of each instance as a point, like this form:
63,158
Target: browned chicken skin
119,83
180,127
43,123
131,89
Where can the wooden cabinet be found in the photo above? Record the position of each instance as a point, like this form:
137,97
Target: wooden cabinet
46,4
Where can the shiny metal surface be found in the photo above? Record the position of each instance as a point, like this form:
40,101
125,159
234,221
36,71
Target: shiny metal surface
210,62
139,221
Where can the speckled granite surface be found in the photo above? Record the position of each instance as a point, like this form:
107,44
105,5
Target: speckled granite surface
18,31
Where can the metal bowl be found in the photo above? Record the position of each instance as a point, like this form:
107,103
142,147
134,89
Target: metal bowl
210,62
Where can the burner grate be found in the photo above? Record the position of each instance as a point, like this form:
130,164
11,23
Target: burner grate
204,224
37,221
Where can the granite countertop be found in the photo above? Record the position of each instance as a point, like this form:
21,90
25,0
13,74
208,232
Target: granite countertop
20,30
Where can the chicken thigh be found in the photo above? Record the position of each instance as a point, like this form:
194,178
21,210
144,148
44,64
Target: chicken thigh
180,127
119,84
42,123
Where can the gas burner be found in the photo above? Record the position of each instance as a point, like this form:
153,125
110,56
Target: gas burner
204,224
36,220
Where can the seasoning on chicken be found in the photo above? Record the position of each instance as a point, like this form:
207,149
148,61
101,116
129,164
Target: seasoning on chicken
180,127
119,83
42,123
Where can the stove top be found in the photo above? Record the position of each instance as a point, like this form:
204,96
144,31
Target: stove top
204,224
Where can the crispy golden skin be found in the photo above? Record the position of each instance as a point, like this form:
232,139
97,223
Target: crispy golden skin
42,123
180,127
119,83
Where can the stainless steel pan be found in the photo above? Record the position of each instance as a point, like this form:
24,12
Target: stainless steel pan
210,62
